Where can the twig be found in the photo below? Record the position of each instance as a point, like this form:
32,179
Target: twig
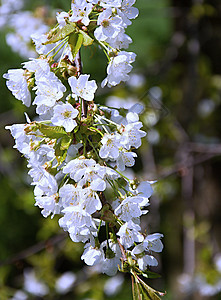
179,168
78,65
122,250
34,249
205,148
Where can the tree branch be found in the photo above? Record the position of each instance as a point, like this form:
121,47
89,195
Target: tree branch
34,249
78,65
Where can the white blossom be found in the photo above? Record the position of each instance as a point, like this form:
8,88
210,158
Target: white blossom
49,204
109,25
41,155
64,115
80,11
127,12
111,261
78,222
74,179
146,260
17,84
39,66
95,176
82,87
22,140
129,208
46,183
125,159
92,255
132,132
110,146
77,167
85,198
118,68
130,233
153,243
61,18
122,40
144,189
49,90
70,195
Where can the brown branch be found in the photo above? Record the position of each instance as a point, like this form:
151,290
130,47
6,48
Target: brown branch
205,148
34,249
181,167
78,65
122,250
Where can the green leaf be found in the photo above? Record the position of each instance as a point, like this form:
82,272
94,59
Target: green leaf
148,292
136,290
75,41
65,142
87,40
52,132
78,136
142,291
62,33
59,153
149,274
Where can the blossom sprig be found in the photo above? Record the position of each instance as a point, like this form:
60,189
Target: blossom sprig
95,22
78,150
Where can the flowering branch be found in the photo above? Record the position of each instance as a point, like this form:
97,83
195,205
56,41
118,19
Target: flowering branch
78,151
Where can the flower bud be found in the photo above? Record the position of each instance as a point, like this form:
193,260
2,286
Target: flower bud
72,71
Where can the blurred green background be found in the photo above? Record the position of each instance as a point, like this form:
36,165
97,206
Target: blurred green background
178,47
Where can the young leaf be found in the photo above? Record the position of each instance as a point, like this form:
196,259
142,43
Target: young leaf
148,291
62,33
59,153
65,142
135,289
53,132
75,41
149,274
87,40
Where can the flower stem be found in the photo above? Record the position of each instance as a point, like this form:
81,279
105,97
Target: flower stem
63,41
90,142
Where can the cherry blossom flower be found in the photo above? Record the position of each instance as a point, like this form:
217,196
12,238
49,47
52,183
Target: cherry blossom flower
110,147
130,233
64,115
80,11
17,84
82,87
61,18
109,25
118,68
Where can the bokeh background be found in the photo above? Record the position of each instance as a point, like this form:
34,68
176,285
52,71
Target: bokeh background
177,77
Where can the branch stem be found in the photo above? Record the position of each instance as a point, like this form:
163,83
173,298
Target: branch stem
78,65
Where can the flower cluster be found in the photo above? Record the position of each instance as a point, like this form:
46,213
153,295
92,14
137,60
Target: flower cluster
103,22
77,150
